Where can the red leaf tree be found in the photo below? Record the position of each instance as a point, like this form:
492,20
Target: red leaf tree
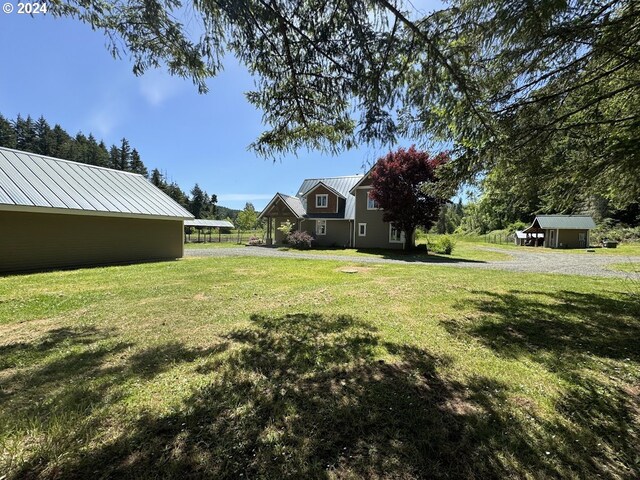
399,181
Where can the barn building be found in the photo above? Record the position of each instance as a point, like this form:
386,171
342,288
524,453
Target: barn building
55,214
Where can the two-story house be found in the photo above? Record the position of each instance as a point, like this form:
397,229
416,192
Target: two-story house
337,211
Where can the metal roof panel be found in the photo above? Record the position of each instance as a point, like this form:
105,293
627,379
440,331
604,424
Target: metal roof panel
201,222
22,186
567,222
342,185
32,180
71,198
30,172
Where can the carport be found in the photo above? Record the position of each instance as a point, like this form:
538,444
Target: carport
204,227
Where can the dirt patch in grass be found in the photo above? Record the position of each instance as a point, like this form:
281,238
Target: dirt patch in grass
354,269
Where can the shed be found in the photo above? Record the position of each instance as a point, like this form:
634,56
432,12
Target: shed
55,213
563,231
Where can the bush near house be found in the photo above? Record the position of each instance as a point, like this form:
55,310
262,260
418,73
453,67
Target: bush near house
443,244
255,241
300,240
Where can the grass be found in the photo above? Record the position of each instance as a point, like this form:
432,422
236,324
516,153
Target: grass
275,368
623,249
463,251
633,267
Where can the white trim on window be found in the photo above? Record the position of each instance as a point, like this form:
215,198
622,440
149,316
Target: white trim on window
393,234
321,227
362,229
322,200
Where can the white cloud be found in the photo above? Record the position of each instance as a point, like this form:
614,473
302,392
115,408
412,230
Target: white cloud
156,87
242,197
103,120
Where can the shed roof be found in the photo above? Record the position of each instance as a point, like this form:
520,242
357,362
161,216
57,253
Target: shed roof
36,183
566,222
201,222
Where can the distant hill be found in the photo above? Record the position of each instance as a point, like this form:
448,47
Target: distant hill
224,212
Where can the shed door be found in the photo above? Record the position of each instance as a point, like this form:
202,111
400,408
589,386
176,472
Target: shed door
582,239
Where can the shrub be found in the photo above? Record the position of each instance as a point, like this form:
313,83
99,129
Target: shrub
443,245
285,228
611,230
300,240
447,245
516,226
255,240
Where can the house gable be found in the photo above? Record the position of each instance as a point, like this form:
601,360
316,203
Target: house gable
283,206
322,199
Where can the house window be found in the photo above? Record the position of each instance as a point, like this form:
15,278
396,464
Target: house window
395,235
321,227
371,203
322,200
362,229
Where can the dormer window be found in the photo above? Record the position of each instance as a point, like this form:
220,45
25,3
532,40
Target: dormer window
322,200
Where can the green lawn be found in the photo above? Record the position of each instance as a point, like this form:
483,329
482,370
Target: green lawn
633,267
463,251
288,368
623,249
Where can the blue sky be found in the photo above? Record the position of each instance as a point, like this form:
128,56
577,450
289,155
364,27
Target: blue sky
62,69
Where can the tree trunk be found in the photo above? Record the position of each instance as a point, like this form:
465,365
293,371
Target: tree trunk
408,240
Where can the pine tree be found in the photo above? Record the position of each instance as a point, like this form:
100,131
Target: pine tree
114,157
60,143
125,155
157,179
136,165
93,153
103,155
43,137
175,192
25,133
81,149
7,134
197,201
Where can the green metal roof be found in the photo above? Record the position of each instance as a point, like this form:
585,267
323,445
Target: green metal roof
566,222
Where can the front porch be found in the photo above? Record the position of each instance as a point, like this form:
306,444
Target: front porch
279,210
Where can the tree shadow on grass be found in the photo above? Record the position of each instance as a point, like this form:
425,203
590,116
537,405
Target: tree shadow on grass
431,257
591,341
545,326
59,387
307,396
417,256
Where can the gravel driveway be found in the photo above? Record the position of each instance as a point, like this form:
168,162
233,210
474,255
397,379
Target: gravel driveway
521,261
